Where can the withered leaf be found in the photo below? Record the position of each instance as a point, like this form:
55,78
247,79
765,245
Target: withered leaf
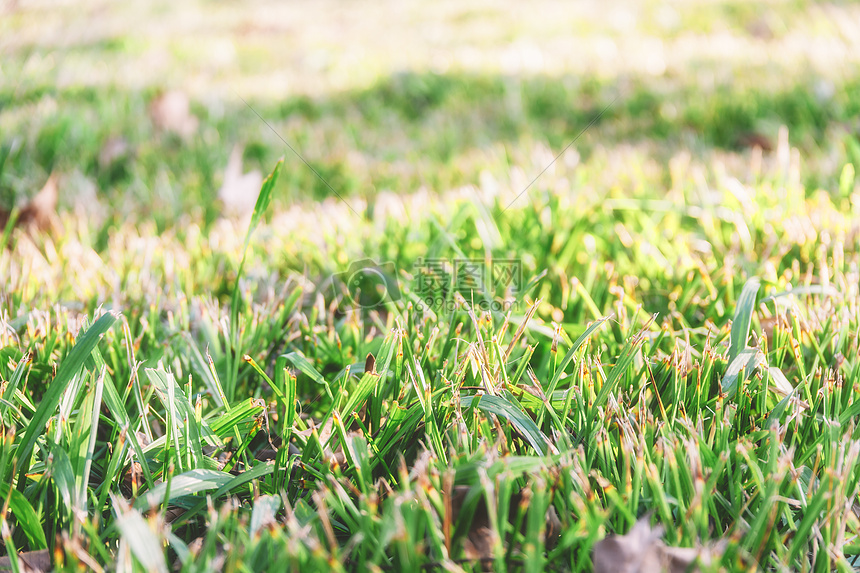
171,112
113,150
754,139
40,213
641,550
635,552
479,539
29,561
239,191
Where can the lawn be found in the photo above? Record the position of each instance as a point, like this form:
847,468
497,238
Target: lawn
538,287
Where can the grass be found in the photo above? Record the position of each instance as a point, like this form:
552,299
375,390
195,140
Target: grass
412,130
663,325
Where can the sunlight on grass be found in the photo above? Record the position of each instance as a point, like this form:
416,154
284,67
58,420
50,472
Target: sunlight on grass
414,353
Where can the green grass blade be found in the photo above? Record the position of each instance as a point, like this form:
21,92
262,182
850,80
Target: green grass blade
27,519
306,368
745,363
70,367
90,419
501,407
263,200
180,413
241,416
572,352
14,381
743,318
361,392
117,410
144,544
64,478
190,482
619,369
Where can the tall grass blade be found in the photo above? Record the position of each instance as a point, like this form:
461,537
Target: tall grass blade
743,318
501,407
70,367
144,544
263,200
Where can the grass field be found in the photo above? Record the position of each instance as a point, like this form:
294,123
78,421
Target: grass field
535,287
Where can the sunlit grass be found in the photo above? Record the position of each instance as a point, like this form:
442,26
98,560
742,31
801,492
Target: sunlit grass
183,391
673,416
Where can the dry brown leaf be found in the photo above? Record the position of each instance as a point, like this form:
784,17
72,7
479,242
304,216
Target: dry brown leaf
173,513
478,543
760,29
642,551
239,191
114,149
479,540
40,213
635,552
132,479
29,561
171,112
754,139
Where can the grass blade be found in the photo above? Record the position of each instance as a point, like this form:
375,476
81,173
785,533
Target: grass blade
190,482
743,318
73,363
573,350
263,200
501,407
746,362
144,544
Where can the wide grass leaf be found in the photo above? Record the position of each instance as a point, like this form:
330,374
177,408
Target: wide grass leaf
190,482
572,352
28,521
257,472
144,544
743,318
305,367
745,363
70,368
501,407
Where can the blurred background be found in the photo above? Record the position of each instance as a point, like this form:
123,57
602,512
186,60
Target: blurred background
138,107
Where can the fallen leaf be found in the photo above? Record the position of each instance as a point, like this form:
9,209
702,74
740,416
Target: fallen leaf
754,139
478,543
29,561
553,528
114,149
636,552
40,213
641,550
479,540
132,479
239,191
171,112
173,513
760,29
